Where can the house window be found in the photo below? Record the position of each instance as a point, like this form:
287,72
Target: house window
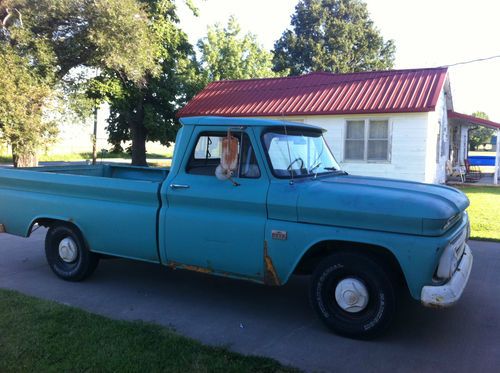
367,140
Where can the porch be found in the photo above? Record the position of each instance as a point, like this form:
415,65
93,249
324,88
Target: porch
463,168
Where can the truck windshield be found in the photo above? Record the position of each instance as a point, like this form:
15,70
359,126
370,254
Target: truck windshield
299,153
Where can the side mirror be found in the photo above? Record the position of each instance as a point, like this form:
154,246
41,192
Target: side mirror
229,158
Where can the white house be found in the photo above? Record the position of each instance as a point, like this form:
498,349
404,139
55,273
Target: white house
396,124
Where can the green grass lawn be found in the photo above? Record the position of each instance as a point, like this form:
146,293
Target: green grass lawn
484,212
42,336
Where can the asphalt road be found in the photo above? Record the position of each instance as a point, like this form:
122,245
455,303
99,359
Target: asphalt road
275,322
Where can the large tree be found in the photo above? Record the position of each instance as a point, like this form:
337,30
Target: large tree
54,38
24,95
332,35
480,135
146,112
228,54
85,33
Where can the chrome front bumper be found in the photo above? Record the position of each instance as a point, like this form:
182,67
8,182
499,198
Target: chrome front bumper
448,294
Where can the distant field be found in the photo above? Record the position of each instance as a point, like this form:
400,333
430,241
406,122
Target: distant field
80,157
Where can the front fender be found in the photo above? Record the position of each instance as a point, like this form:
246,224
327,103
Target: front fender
417,255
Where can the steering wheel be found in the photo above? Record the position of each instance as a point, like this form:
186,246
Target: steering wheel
289,168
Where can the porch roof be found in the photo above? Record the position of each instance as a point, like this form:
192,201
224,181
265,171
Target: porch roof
469,119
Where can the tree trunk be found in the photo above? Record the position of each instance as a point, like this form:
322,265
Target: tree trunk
138,134
94,138
28,159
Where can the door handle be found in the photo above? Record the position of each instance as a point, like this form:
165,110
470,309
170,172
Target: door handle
179,186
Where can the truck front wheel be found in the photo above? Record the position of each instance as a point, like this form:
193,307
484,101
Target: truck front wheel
353,295
67,254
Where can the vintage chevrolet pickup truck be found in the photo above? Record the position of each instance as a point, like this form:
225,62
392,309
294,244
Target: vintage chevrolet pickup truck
258,200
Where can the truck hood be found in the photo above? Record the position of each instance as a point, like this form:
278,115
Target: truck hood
380,204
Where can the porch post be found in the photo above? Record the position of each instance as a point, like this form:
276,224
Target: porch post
497,159
464,140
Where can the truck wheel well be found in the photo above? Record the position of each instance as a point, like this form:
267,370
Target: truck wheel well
323,249
48,222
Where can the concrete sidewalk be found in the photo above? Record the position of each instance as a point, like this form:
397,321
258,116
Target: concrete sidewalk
274,322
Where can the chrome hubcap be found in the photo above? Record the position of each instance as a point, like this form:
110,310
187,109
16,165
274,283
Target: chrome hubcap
351,295
68,250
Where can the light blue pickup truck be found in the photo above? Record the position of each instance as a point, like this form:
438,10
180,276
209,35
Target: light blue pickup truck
257,200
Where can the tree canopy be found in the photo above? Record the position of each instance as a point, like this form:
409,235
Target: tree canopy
146,112
46,39
480,135
22,101
228,54
332,35
91,33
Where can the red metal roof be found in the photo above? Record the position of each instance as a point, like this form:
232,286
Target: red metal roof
392,91
473,120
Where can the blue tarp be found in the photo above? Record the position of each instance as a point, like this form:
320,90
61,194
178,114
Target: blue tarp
482,160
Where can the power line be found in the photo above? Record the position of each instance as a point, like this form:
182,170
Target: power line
472,61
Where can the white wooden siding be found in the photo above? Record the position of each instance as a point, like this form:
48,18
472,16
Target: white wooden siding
408,138
437,150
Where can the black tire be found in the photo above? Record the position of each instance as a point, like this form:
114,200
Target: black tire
83,265
379,309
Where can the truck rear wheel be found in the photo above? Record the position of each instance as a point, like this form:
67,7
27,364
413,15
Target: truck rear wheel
353,295
67,254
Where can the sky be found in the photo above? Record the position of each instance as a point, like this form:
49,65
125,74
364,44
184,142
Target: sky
427,33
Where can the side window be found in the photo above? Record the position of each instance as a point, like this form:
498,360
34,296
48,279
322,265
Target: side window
207,153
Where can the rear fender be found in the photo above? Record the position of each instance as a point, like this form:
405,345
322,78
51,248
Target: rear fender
47,219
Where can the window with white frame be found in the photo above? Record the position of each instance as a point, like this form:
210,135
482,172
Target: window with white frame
367,140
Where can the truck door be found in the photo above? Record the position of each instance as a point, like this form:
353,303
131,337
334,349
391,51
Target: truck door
218,225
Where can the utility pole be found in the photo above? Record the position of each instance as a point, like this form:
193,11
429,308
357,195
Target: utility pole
497,159
94,137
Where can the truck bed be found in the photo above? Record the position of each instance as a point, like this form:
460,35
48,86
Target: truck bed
114,206
109,171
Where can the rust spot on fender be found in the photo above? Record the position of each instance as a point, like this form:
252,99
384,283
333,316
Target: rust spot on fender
270,276
2,228
175,265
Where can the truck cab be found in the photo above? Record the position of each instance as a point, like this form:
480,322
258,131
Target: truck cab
289,208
